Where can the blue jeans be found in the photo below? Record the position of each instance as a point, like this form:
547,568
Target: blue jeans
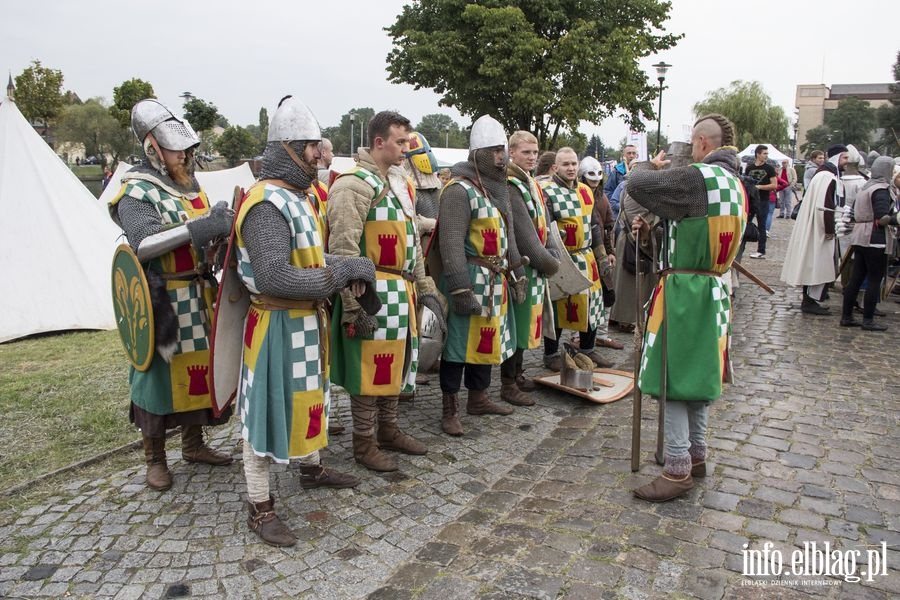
685,424
787,198
769,216
762,215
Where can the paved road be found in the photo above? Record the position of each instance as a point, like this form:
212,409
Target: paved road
536,505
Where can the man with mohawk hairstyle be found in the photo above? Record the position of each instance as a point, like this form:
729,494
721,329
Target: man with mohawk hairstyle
685,357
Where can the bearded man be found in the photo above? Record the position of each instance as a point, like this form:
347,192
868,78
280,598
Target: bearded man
284,396
685,357
372,213
478,254
168,223
530,222
571,204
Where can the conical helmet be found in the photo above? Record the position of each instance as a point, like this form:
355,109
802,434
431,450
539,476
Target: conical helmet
171,132
293,121
487,132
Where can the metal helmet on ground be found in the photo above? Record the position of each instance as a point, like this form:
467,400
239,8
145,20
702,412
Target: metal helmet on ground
170,132
420,154
431,338
487,132
293,121
590,168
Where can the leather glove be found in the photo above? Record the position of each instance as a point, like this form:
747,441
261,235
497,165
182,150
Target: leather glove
434,304
887,220
369,301
465,303
215,224
364,326
517,290
350,268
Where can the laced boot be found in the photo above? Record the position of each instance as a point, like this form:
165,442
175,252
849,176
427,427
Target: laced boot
478,403
195,450
526,384
391,438
450,419
366,453
510,392
158,476
265,523
316,476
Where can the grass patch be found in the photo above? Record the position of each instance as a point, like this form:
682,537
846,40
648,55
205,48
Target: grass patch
88,170
63,398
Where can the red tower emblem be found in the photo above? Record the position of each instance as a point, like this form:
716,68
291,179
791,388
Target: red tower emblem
486,342
489,237
197,383
383,364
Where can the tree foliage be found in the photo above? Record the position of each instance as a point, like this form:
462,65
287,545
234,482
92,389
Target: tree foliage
236,143
851,122
202,115
576,141
340,134
442,131
39,92
90,123
749,107
889,117
538,66
126,95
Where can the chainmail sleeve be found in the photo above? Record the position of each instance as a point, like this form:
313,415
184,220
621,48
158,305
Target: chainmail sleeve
672,194
526,237
267,237
453,225
513,256
138,219
427,203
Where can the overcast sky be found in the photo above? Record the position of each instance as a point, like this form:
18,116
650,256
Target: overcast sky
331,54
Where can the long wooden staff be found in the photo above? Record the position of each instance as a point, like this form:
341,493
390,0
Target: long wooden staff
638,341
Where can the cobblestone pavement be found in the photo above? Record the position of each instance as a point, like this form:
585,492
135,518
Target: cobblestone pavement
535,505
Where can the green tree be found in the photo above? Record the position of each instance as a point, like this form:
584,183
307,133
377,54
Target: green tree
202,115
852,122
817,138
749,107
440,131
39,92
236,143
889,117
126,95
538,66
595,147
577,141
340,134
91,124
263,128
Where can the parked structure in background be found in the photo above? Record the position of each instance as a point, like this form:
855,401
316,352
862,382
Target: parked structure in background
812,101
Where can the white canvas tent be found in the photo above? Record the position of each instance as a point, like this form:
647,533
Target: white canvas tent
56,240
774,154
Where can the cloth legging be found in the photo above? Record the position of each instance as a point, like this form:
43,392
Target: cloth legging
869,264
478,377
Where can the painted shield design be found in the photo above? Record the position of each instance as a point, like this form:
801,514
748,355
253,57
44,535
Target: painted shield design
132,307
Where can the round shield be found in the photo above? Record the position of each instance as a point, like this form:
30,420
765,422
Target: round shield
132,307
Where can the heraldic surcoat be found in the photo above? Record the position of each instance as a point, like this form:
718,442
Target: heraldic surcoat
383,363
283,396
528,314
689,314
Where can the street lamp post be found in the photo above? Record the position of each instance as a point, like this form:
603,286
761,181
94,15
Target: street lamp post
796,130
661,69
352,127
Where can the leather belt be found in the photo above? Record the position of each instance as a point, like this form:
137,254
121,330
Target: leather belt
262,301
404,274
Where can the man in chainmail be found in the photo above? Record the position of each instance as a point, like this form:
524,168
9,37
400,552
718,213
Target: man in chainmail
685,357
571,204
421,166
372,213
481,271
283,398
530,224
168,222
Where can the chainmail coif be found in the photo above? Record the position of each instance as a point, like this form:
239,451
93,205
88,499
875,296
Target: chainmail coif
277,164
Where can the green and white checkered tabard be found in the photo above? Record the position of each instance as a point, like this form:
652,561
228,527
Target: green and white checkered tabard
393,318
482,208
562,202
409,384
169,207
192,325
305,357
482,281
595,297
722,305
301,221
392,212
725,195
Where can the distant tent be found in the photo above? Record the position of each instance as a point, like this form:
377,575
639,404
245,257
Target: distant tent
56,240
218,185
747,154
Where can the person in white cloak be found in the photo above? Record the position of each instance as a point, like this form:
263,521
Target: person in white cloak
809,261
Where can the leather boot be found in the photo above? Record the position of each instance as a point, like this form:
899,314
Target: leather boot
665,488
510,392
158,476
698,468
316,476
391,438
450,419
265,523
366,453
526,384
194,450
478,403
